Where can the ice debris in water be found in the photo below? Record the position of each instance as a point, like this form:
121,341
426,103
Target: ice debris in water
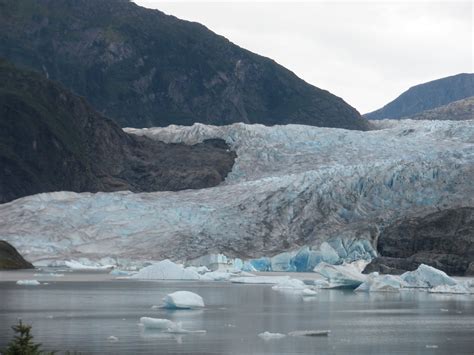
460,288
155,323
381,283
112,339
269,336
260,279
183,300
346,275
76,265
166,270
28,282
310,333
426,276
290,284
307,292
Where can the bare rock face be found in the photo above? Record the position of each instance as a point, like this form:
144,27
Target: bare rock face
10,258
52,140
443,239
144,68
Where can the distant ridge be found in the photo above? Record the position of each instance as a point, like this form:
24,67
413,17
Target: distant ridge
427,96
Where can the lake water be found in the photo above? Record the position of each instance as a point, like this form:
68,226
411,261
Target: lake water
81,315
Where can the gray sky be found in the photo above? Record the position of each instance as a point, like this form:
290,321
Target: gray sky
365,52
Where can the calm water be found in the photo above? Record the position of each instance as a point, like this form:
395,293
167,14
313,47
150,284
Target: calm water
82,315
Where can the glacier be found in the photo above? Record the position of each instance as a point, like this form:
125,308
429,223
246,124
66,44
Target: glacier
306,194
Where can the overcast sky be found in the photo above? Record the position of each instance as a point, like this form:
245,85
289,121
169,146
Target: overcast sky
365,52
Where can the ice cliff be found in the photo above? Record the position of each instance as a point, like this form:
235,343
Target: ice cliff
291,187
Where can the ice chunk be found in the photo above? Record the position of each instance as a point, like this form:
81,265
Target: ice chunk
282,262
321,284
76,265
237,264
345,275
248,267
117,272
166,270
460,288
113,339
28,282
156,323
269,336
177,328
427,276
261,264
309,293
260,279
310,333
381,283
199,269
183,300
290,284
217,276
212,261
300,260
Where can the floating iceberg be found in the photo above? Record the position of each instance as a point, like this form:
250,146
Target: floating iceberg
460,288
309,333
28,282
282,262
260,279
307,292
166,270
381,283
198,269
76,265
269,336
290,284
113,339
217,276
183,300
177,328
426,276
345,275
156,323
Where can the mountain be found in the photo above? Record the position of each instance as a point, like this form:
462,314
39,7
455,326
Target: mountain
292,187
456,111
427,96
10,258
52,140
144,68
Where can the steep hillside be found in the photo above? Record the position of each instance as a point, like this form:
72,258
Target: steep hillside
10,259
455,111
427,96
52,140
144,68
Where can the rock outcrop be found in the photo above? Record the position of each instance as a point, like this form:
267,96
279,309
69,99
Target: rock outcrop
444,240
144,68
10,259
454,111
52,140
427,96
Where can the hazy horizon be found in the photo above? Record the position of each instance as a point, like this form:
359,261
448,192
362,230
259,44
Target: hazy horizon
368,53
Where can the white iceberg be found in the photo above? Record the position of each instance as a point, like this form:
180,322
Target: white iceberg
198,269
460,288
307,292
28,282
381,283
345,275
290,284
426,277
113,339
156,323
269,336
260,279
166,270
217,276
183,300
177,328
76,265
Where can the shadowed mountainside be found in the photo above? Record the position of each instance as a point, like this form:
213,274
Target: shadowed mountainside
52,140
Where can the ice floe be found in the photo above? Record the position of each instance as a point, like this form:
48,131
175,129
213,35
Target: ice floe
290,284
166,270
260,279
346,275
426,277
28,282
381,283
459,288
183,300
270,336
155,323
